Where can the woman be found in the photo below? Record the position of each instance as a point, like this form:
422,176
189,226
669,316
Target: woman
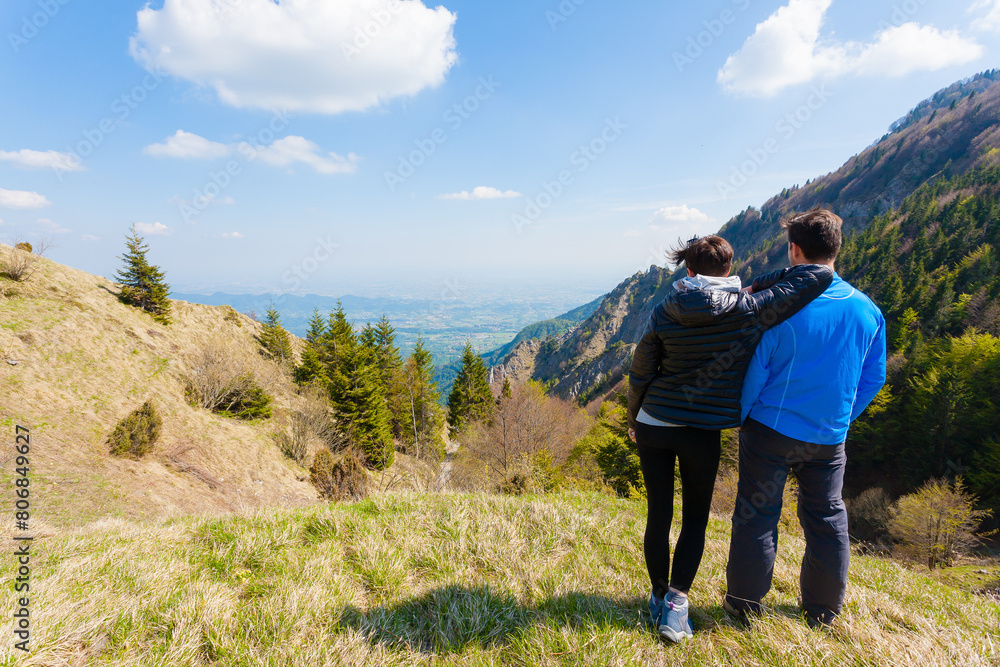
684,388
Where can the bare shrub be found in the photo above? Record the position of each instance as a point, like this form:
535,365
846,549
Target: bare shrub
312,422
135,435
20,262
869,516
529,434
937,523
221,381
345,479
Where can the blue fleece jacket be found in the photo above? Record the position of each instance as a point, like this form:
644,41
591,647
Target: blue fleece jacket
813,374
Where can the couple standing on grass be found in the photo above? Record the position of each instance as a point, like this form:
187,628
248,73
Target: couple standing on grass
793,359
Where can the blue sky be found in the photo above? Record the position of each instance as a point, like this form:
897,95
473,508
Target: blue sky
267,146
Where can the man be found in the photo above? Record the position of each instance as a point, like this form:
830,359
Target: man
810,377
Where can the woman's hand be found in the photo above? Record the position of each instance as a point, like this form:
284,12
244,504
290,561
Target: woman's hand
631,434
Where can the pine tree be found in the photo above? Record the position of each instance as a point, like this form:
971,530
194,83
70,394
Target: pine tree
339,336
426,417
274,339
390,366
356,392
142,284
316,330
312,366
471,399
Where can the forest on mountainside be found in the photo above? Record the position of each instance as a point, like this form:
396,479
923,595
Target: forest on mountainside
932,267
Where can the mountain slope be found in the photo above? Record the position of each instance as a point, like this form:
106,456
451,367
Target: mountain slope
82,360
452,580
948,135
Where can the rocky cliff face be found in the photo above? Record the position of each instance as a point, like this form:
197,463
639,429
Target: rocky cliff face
596,354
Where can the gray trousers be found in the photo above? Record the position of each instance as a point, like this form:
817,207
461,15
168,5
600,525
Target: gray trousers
766,457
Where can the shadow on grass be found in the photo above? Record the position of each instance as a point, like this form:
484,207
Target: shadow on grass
450,618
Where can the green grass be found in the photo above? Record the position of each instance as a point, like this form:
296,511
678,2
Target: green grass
448,580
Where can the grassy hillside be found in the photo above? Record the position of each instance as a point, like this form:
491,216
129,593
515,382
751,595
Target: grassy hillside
74,361
449,580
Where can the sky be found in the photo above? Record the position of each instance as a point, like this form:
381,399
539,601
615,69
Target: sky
392,146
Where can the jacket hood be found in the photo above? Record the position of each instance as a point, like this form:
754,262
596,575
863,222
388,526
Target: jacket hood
699,307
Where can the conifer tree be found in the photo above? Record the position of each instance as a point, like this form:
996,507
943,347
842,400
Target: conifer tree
142,284
339,335
470,399
274,339
426,417
312,367
316,329
358,399
390,365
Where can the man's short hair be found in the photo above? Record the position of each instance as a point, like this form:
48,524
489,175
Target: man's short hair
708,255
816,232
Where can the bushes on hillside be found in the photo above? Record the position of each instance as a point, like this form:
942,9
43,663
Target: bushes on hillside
526,444
313,421
135,435
937,523
345,479
870,516
19,263
219,381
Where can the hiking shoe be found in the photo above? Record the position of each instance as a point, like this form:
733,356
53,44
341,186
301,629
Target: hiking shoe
656,606
675,623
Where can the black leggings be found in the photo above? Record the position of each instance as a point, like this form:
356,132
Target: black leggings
698,451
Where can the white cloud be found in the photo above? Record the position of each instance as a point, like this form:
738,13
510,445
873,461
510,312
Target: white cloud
152,229
911,47
991,20
299,55
482,192
788,49
89,237
22,199
282,152
42,159
632,232
291,149
188,146
231,235
52,227
681,213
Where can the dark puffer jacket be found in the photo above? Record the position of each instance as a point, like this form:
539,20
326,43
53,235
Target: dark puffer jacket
689,365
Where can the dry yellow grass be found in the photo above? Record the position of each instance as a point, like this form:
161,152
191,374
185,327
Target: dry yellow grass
84,360
407,579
